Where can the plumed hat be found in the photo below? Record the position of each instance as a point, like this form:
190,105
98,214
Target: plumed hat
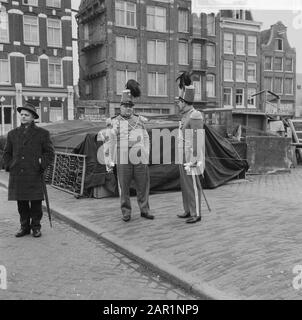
188,94
127,98
30,108
134,88
184,80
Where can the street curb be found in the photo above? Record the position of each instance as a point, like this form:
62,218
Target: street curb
157,265
166,270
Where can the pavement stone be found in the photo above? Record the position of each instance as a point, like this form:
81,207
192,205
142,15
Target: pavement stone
245,248
65,264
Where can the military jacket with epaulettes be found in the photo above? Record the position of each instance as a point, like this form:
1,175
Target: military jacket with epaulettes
127,132
191,142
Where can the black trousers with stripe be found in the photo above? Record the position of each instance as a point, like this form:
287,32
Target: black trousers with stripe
191,192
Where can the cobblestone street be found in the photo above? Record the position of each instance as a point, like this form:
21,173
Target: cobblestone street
67,264
246,248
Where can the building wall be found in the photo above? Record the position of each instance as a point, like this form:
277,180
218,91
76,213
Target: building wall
229,25
100,64
299,95
17,50
268,49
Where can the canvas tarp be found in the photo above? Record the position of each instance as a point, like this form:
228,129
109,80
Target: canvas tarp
224,159
223,162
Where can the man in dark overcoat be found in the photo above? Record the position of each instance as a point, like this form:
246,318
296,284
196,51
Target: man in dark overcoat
27,154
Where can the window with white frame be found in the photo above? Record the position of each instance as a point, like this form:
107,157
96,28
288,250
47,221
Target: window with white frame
157,52
278,87
32,73
240,98
126,49
125,14
54,32
211,55
228,43
4,27
240,68
30,2
268,63
211,84
251,72
31,30
55,111
196,53
252,45
86,34
197,86
239,14
122,76
183,52
279,44
183,20
227,97
4,71
240,44
288,86
268,83
289,64
53,3
251,99
157,84
156,19
211,24
55,74
278,63
228,70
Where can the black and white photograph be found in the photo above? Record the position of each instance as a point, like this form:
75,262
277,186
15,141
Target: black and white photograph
150,153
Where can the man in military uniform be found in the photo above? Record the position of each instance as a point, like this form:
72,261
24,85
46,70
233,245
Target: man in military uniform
128,148
191,155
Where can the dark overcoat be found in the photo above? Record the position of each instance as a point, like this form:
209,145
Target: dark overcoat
26,155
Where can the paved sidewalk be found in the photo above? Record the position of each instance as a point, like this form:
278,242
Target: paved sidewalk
245,248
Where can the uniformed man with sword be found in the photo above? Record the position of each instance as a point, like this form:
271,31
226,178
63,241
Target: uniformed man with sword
191,146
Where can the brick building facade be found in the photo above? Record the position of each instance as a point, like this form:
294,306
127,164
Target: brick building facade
153,41
278,69
145,40
36,59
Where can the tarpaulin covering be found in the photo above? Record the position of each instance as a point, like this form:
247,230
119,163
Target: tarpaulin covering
224,159
96,173
223,162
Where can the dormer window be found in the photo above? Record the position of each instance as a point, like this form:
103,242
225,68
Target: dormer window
279,44
240,14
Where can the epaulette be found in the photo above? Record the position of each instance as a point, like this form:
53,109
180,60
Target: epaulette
143,119
196,115
108,122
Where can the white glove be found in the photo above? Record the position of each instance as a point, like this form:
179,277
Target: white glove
188,167
110,166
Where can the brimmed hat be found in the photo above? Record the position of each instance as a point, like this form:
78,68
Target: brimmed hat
127,98
30,108
189,94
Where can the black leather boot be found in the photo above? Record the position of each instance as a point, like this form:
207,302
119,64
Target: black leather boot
22,232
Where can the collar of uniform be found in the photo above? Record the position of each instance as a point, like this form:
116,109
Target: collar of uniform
186,110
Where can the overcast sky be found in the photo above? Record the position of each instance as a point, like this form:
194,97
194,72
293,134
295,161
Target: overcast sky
287,11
